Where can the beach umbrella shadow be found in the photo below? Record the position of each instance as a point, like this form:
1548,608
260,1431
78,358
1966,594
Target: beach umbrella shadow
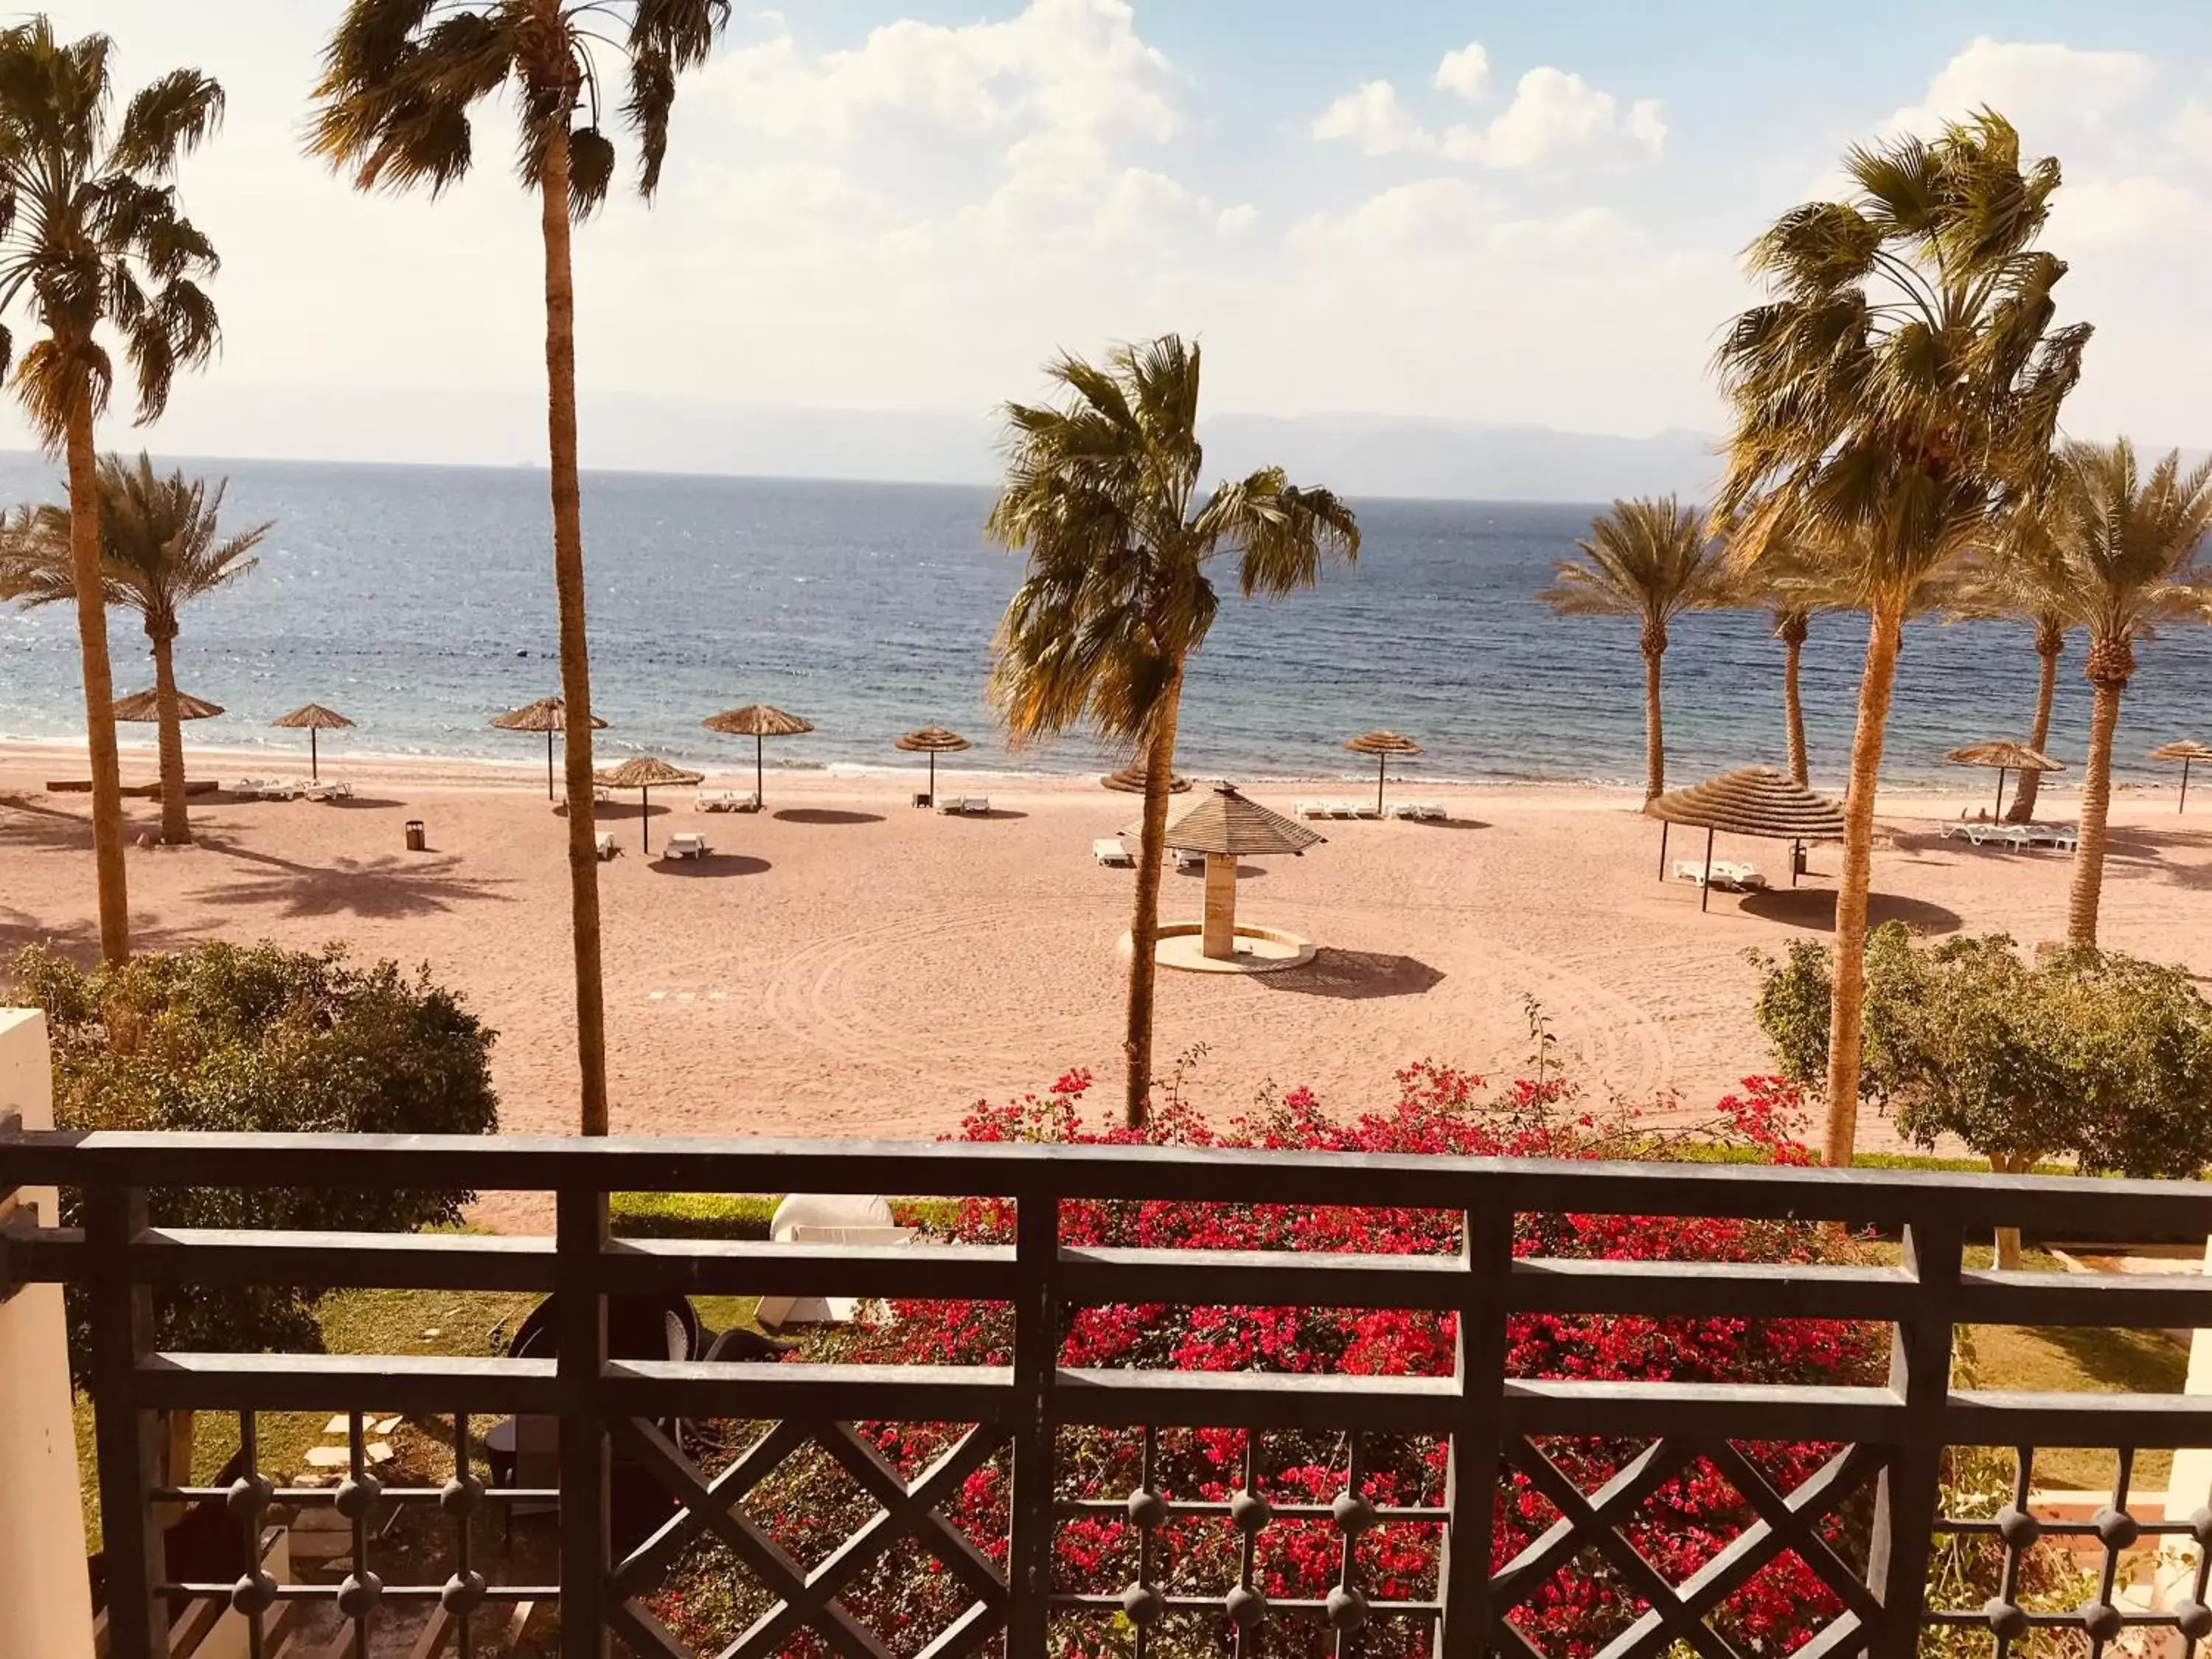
1355,976
1815,909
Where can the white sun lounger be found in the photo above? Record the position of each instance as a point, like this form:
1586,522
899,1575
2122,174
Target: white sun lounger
334,789
2065,835
1109,849
1311,809
1419,810
726,800
605,843
1187,860
1744,878
1998,834
685,844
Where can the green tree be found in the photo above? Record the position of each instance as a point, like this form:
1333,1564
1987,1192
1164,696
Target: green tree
223,1039
1102,494
399,78
1897,392
2125,548
2092,1055
158,552
92,245
1651,559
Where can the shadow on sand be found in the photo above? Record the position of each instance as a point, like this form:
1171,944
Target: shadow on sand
424,884
825,815
1355,976
715,864
1815,909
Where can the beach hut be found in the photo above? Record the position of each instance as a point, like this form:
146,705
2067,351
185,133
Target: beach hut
548,715
1382,744
645,774
1130,780
1754,801
1225,826
933,741
2005,757
313,718
757,720
2188,752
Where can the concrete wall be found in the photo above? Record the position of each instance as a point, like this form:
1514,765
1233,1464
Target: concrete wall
46,1605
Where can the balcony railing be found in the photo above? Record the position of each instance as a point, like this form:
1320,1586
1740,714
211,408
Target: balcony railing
1891,1438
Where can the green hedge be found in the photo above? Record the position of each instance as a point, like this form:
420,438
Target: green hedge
1699,1153
736,1215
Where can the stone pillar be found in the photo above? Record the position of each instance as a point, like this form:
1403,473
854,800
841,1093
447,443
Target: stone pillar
1219,940
45,1604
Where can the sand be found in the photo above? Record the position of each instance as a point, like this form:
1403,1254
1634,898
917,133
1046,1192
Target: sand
847,965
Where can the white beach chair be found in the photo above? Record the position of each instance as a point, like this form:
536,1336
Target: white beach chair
334,789
777,1311
980,805
1743,878
1692,871
1186,860
604,840
1109,849
685,844
247,788
2066,836
1998,834
1311,809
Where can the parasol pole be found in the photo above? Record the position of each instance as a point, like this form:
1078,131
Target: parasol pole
314,765
645,817
933,777
1382,765
1705,890
758,799
549,762
2184,807
1663,827
1999,813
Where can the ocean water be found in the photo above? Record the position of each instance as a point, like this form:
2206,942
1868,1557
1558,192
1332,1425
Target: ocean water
419,601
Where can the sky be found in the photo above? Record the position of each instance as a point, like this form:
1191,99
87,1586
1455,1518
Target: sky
1490,213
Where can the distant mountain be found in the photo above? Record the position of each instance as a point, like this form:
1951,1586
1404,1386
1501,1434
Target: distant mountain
1355,454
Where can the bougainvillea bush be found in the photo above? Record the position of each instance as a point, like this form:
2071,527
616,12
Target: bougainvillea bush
810,1506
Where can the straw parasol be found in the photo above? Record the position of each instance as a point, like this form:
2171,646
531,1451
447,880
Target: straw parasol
548,715
2005,757
1382,744
1226,826
1130,780
1752,801
313,718
757,720
145,707
645,774
2188,751
933,741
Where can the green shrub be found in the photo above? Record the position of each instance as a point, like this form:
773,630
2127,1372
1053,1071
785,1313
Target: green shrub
739,1215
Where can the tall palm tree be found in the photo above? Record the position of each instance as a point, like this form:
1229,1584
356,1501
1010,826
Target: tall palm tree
399,78
1651,559
2127,550
1900,388
1102,494
158,552
2019,577
1790,583
92,245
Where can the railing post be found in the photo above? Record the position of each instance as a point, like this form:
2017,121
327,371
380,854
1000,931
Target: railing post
1472,1465
128,1437
1036,1355
1911,1488
580,1236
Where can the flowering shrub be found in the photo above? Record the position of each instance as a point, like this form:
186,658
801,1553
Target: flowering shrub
1439,1110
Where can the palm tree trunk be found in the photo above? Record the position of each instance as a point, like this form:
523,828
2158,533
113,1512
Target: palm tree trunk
2049,640
99,682
575,649
1793,707
1847,1013
176,828
2008,1238
1655,742
1144,924
2109,669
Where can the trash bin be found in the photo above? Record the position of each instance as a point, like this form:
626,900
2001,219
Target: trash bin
417,840
920,797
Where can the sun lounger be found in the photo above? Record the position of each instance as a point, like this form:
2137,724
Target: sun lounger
1109,849
2065,835
1188,860
1998,834
1419,810
334,789
1309,809
605,843
1743,878
686,844
726,800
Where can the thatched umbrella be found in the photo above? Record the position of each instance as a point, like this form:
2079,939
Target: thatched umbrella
1382,744
1130,780
933,741
645,774
1754,801
2188,751
313,718
1225,827
548,715
143,707
757,720
2005,757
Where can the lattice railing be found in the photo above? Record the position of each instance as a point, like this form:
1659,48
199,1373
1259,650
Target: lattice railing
1863,1521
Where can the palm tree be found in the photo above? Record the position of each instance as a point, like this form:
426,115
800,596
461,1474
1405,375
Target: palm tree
399,78
2019,577
1897,391
158,551
1103,494
2126,547
1651,559
1791,584
91,243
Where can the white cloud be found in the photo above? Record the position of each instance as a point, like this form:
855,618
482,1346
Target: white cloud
1557,119
1373,119
2052,93
2191,132
1466,72
1237,220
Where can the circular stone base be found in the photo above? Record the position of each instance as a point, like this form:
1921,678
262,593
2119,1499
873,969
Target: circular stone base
1259,950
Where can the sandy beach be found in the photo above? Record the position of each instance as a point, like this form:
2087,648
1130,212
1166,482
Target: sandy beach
847,965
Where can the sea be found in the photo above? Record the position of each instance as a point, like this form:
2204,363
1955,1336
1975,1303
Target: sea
419,601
